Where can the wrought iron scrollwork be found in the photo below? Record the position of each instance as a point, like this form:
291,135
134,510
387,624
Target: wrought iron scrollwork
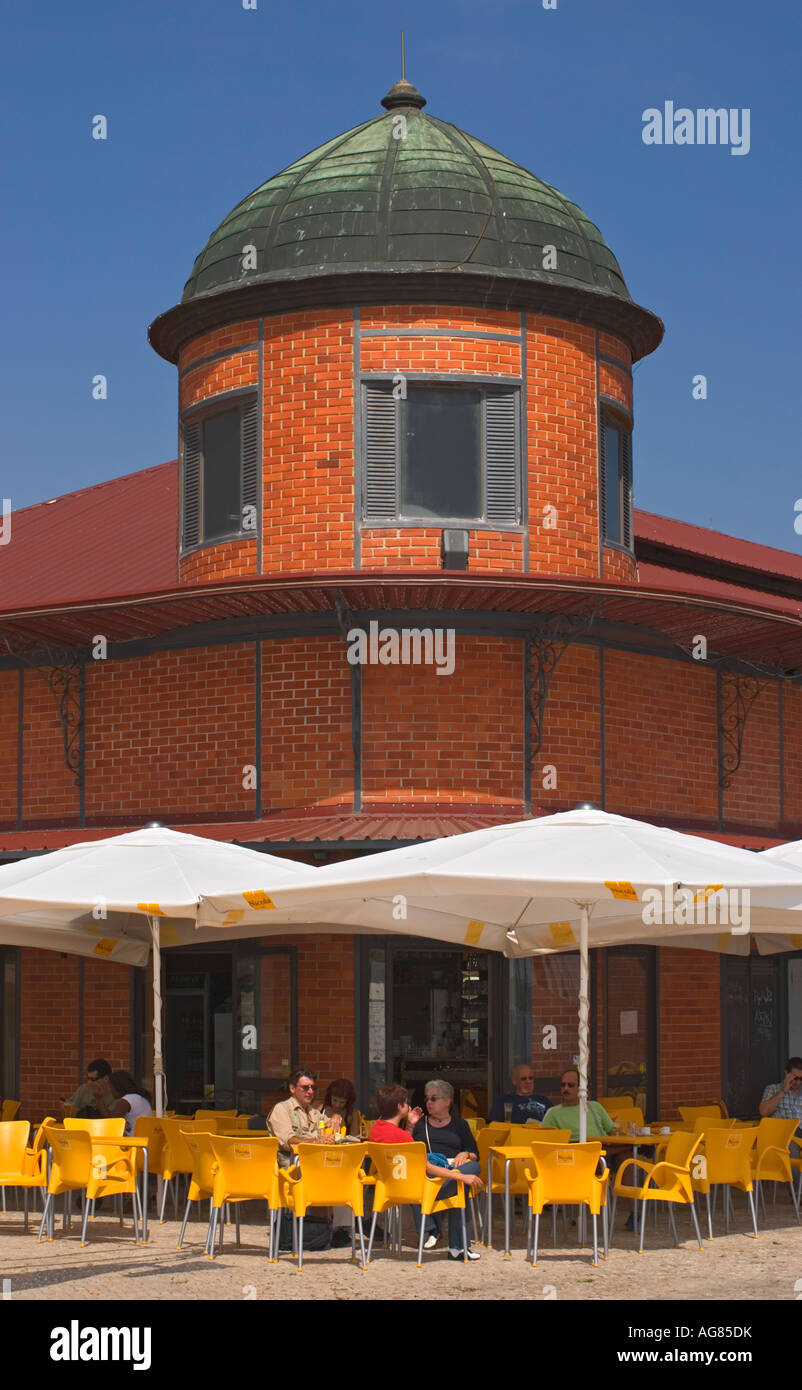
738,695
545,646
62,669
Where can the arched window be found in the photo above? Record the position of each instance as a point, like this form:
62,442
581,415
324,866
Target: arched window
219,465
615,476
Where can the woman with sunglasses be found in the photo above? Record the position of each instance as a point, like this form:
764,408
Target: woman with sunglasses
450,1137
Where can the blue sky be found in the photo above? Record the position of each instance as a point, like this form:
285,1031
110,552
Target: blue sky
206,100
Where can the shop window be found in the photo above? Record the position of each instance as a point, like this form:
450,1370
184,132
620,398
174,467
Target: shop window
615,476
219,461
441,455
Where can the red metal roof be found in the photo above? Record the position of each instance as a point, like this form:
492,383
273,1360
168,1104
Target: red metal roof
120,538
115,537
693,541
308,828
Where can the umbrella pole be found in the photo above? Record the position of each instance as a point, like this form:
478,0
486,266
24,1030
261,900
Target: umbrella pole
158,1059
584,1006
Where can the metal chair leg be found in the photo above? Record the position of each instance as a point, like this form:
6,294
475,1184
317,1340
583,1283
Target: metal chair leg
536,1235
373,1232
595,1241
300,1242
184,1224
751,1197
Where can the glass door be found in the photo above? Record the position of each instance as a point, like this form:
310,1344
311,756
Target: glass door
265,1042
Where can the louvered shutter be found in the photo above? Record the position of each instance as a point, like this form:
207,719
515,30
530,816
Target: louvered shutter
602,478
502,469
190,472
249,437
626,527
381,453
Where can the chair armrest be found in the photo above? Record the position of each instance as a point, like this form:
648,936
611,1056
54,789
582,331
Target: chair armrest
771,1149
632,1163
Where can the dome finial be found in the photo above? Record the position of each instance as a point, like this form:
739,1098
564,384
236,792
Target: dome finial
403,93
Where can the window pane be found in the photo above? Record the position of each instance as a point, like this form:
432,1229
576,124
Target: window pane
612,464
627,1019
264,1016
441,455
222,504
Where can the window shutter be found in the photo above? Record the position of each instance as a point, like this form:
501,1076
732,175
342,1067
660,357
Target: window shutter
602,478
626,527
191,461
500,416
381,454
249,436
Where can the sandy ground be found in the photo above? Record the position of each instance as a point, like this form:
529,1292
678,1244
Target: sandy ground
734,1266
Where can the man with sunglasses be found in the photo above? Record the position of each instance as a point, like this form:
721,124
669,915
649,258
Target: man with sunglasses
296,1118
783,1100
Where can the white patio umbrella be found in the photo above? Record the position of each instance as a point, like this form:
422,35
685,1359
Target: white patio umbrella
791,856
117,897
541,885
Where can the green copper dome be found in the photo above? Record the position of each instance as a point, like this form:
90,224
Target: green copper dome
407,194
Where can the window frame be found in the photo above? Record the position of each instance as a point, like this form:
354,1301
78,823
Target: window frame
241,400
614,415
486,385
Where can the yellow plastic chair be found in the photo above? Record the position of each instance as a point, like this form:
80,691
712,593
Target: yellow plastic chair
668,1180
9,1111
614,1103
398,1175
246,1170
628,1115
75,1168
110,1127
214,1115
326,1175
492,1136
565,1175
727,1162
21,1165
201,1186
771,1158
705,1122
175,1156
692,1112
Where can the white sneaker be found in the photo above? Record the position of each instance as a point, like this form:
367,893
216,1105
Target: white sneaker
462,1254
431,1241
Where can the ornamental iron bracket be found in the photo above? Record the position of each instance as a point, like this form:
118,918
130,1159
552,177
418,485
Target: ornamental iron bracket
737,697
545,647
63,670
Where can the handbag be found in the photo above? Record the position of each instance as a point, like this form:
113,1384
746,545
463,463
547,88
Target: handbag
439,1160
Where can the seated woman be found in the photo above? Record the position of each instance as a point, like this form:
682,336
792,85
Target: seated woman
449,1136
129,1099
339,1106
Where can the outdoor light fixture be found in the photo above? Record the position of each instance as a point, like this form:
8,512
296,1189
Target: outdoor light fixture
454,550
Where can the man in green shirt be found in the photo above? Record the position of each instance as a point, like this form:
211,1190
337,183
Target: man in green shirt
566,1114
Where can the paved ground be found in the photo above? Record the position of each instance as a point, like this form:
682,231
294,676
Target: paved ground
735,1266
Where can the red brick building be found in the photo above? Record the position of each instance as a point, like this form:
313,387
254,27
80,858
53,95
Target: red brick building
405,398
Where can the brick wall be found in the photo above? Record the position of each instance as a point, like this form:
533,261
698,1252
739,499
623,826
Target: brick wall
690,1029
660,722
308,433
9,706
456,738
307,755
171,731
50,1011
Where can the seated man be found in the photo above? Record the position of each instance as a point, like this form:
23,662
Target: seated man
566,1114
93,1098
525,1104
396,1121
783,1099
296,1118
